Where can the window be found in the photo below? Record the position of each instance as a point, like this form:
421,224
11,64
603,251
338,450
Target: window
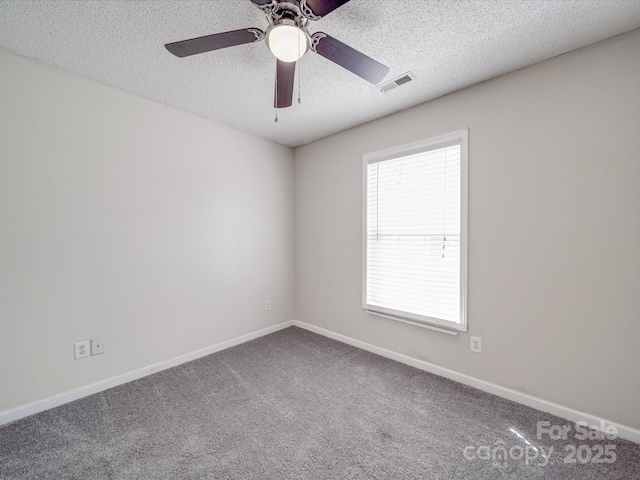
415,232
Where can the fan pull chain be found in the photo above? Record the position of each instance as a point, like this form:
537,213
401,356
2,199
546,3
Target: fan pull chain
299,80
299,73
275,107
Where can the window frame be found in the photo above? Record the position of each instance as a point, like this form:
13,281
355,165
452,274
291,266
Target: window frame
453,138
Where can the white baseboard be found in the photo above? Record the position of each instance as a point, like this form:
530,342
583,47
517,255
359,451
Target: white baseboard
9,416
624,431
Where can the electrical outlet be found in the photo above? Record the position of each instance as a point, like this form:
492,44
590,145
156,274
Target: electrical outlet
82,349
476,344
268,305
97,346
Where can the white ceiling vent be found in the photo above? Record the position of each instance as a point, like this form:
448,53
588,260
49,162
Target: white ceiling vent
396,82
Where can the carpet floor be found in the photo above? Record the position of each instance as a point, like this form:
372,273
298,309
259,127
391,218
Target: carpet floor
296,405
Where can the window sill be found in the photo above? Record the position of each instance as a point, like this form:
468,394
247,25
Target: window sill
412,322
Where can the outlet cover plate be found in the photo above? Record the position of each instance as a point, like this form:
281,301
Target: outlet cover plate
82,349
476,344
97,346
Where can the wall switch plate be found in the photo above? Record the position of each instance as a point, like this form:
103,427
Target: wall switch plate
97,346
268,305
82,349
476,344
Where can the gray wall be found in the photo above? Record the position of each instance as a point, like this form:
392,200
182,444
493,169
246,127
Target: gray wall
554,230
160,231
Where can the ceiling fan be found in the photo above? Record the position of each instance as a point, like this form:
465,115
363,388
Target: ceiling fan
288,39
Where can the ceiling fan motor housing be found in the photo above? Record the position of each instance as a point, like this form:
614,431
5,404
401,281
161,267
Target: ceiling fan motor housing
285,10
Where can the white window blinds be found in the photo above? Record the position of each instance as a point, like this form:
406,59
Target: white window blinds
413,233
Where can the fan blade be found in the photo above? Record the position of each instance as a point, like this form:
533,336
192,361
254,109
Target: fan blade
214,42
285,74
322,7
347,57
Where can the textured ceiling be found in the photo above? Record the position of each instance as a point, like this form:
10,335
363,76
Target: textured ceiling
447,45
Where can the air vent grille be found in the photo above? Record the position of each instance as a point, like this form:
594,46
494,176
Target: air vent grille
402,80
396,82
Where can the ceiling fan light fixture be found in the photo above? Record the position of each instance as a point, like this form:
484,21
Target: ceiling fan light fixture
287,41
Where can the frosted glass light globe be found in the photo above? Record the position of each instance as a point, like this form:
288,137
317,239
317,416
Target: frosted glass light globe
287,42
